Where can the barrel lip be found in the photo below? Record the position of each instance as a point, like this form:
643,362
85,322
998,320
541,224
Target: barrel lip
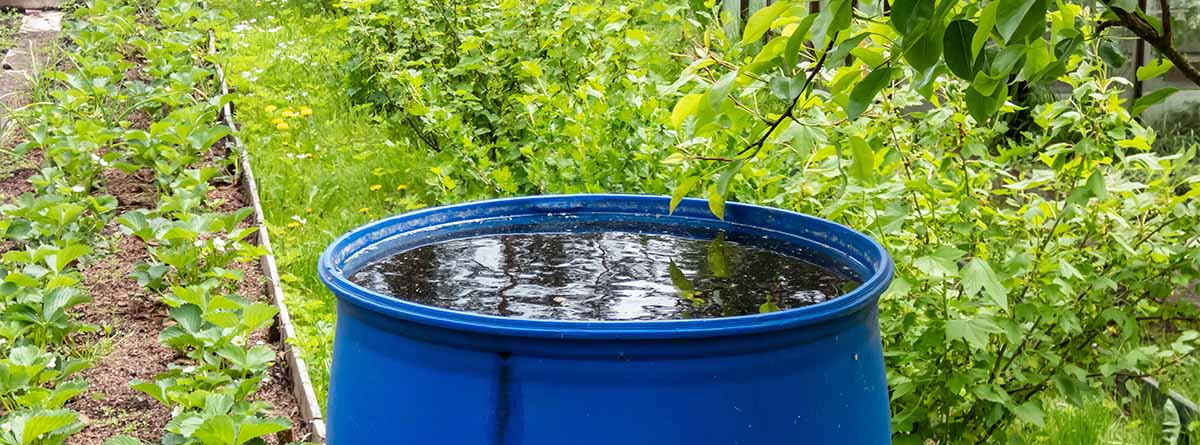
857,247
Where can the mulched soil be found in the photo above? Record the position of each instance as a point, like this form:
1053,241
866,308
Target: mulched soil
132,319
133,190
15,181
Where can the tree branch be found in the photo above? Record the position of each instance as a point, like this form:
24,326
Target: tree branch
1161,42
812,74
1165,6
1102,26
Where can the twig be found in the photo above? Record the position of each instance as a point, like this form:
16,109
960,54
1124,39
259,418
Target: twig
787,113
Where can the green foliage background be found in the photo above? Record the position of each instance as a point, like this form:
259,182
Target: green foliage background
1042,241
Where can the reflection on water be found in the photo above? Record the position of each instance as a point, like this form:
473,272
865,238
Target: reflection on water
601,276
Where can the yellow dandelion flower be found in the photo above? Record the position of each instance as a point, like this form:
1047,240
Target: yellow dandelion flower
401,187
270,108
293,225
276,121
364,210
305,112
376,187
308,210
288,113
281,125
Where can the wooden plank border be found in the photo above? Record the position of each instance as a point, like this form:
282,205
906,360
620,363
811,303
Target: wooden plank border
302,387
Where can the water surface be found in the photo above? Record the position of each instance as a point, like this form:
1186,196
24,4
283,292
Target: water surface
602,276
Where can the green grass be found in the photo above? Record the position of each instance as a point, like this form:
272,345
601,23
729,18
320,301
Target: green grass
316,177
1099,421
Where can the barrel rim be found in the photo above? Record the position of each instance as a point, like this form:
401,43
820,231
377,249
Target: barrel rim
864,297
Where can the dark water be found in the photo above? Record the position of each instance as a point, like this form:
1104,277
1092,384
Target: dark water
602,276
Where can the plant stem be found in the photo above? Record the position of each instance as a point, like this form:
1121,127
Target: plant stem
787,113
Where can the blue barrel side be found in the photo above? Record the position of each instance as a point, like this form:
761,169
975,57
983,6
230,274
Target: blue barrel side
409,384
407,374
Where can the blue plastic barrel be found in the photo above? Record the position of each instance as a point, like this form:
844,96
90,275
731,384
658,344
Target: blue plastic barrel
404,373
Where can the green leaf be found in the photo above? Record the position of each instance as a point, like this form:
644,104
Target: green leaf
1093,188
681,191
716,203
1030,412
720,90
47,422
987,21
909,15
982,107
1172,425
977,275
255,427
727,174
257,315
1155,68
1124,5
992,393
687,106
833,18
124,440
65,256
1006,62
942,262
678,279
842,49
768,307
1071,388
795,43
716,256
926,50
1111,54
864,93
974,331
1015,17
862,165
957,48
760,22
152,389
1152,99
218,430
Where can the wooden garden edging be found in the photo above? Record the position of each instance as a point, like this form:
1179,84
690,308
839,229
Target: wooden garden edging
302,388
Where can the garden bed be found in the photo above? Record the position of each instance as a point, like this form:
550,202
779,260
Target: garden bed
121,329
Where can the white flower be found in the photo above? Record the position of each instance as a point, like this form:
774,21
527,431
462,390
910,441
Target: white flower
77,189
239,340
219,244
198,243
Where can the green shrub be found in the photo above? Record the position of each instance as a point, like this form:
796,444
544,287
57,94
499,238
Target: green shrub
517,97
1025,265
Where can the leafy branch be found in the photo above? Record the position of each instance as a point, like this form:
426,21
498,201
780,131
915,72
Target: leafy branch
1162,41
791,108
